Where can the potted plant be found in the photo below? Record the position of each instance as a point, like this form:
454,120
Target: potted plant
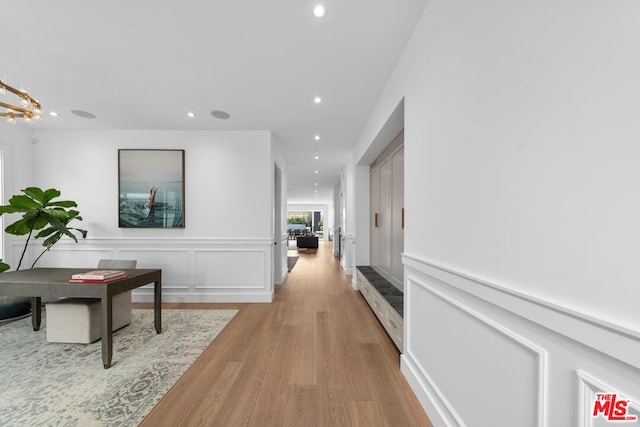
47,217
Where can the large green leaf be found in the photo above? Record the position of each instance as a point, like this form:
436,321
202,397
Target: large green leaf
24,202
62,227
10,209
18,228
52,240
58,213
64,204
3,266
83,232
46,232
31,215
36,222
51,194
35,193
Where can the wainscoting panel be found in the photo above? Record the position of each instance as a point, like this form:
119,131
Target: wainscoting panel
481,352
284,265
230,268
193,270
478,353
588,387
348,244
171,261
65,256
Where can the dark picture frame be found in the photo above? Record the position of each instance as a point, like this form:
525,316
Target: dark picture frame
150,188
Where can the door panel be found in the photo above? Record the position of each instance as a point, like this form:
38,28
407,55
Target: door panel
375,210
385,217
397,202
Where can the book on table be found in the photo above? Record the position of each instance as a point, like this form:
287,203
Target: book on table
97,276
97,280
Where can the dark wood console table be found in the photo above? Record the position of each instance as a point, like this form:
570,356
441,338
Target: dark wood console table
53,283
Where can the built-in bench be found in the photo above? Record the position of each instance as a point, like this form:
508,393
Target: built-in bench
386,301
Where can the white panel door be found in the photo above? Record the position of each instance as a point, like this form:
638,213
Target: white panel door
375,212
397,206
384,220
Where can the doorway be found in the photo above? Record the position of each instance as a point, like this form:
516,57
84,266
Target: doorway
278,249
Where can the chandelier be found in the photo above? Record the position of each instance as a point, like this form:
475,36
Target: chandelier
27,109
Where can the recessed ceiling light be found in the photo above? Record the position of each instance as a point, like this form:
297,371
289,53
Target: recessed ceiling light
190,114
317,100
83,114
315,183
53,114
317,137
222,115
319,11
315,171
316,157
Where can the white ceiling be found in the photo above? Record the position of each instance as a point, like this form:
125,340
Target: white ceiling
144,64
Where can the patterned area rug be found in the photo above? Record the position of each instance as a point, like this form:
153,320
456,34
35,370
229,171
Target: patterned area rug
51,384
291,262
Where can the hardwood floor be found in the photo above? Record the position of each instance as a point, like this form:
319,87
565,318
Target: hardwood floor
316,356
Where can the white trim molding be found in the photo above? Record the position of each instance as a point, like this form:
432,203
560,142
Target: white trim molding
616,340
588,387
457,334
418,374
284,267
193,270
348,251
537,352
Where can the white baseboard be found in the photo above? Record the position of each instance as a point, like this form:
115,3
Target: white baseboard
256,297
429,397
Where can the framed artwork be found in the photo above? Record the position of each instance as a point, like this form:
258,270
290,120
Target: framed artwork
151,188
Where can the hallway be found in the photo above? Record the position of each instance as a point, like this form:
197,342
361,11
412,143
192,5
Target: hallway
316,356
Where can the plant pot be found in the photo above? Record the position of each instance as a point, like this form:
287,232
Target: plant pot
14,307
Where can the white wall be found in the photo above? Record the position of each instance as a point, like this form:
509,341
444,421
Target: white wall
224,253
337,213
16,151
348,219
281,269
522,210
362,215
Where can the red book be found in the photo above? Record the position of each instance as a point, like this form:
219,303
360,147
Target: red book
110,279
99,274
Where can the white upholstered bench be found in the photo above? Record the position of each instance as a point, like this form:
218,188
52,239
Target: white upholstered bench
79,320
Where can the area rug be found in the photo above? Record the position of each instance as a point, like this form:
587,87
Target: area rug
291,262
51,384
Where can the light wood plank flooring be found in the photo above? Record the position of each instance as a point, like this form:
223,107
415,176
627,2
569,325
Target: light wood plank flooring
316,356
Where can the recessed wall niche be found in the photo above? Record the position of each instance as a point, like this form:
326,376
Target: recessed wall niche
387,212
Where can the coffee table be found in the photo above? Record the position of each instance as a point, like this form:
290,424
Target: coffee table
52,283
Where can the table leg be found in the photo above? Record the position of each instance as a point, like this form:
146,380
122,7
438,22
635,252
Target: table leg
107,331
36,313
157,305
